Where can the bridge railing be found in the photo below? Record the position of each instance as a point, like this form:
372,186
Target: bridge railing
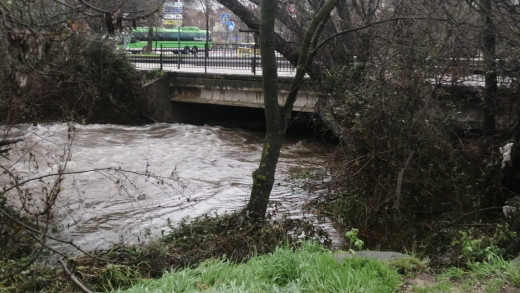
221,56
471,71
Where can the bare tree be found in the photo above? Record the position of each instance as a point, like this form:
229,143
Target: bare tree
277,116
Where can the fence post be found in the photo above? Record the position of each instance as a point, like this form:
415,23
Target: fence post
179,47
253,69
160,58
206,53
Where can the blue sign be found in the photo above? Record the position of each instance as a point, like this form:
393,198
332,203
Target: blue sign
231,26
225,17
173,10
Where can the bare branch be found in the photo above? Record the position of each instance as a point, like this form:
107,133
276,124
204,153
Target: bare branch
73,277
375,24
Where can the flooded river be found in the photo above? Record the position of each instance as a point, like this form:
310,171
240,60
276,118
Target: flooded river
127,184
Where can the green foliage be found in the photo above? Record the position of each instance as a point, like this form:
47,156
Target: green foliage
229,237
307,269
116,276
410,265
492,275
475,246
352,236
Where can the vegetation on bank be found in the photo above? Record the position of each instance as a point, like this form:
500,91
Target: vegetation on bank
229,237
309,268
84,80
447,209
408,173
228,254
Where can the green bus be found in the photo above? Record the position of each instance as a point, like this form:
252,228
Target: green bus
188,39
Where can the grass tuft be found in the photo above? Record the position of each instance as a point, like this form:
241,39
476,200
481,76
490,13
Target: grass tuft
306,269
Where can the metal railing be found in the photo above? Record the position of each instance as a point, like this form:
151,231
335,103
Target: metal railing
220,56
471,71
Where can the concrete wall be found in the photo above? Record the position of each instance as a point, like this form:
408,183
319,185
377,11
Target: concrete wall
233,90
174,97
157,104
190,97
228,100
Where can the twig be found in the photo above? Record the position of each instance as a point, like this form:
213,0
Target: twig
72,277
45,235
400,181
10,141
76,172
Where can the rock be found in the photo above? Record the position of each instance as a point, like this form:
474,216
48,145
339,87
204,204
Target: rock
380,255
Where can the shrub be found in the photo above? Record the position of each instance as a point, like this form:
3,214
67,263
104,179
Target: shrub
401,172
82,80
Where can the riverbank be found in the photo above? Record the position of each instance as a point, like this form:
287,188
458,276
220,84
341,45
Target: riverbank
310,268
228,254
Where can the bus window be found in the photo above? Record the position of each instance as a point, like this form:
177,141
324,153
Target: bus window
189,36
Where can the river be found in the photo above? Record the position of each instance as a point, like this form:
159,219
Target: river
127,184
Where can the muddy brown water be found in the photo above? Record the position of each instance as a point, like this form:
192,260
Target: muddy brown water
128,184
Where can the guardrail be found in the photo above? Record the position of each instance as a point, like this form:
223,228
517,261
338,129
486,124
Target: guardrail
220,56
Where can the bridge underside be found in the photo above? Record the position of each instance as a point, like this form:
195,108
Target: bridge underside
195,97
230,90
251,118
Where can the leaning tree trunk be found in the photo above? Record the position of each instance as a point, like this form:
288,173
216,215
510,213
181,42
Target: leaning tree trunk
263,177
277,117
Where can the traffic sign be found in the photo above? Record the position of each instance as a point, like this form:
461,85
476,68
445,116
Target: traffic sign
172,10
174,22
231,26
225,17
172,16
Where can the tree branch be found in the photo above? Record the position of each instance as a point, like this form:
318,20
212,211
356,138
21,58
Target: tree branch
73,277
10,141
375,24
305,58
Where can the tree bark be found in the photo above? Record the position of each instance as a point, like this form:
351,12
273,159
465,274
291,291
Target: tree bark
491,86
277,117
263,177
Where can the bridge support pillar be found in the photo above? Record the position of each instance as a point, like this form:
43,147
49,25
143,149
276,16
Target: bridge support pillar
157,100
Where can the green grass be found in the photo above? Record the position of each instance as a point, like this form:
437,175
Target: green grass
307,269
489,276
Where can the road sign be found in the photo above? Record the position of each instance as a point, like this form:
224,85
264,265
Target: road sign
225,17
231,26
173,4
172,10
172,16
174,22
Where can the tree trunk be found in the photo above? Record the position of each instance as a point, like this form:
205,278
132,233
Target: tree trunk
277,117
490,67
149,43
263,177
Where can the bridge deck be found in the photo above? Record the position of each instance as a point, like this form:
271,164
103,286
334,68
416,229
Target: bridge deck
234,90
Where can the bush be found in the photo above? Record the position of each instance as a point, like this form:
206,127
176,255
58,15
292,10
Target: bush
401,173
81,80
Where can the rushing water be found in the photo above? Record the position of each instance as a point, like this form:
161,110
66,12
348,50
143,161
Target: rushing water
157,175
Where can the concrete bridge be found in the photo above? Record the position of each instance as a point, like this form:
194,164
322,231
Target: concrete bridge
173,97
195,97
